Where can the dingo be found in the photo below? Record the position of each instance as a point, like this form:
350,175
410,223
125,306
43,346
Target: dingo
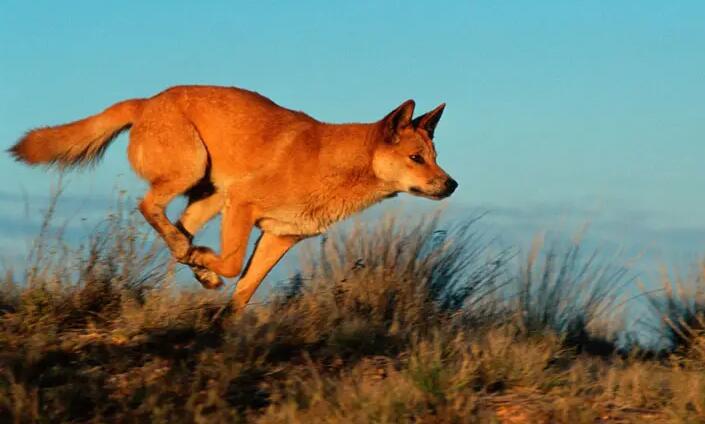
234,151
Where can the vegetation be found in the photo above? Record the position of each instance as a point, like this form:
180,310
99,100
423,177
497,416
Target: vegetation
384,323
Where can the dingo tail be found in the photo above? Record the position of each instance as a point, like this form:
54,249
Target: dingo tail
78,143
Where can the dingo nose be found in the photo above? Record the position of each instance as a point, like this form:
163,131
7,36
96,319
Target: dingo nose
451,185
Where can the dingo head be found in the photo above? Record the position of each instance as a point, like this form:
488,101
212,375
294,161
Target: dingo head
405,158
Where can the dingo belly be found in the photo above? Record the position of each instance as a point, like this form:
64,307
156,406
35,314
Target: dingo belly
300,220
298,227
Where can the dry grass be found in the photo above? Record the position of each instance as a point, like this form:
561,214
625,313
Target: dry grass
680,306
385,323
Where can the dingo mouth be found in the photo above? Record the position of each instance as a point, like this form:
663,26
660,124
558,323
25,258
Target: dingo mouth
436,196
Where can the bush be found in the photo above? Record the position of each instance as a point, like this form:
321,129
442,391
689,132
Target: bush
680,308
560,291
413,322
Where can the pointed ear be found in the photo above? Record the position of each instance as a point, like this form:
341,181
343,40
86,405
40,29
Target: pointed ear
429,120
399,118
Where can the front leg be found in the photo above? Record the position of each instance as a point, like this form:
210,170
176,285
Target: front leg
269,250
236,227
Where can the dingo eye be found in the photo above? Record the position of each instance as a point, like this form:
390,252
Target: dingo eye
417,158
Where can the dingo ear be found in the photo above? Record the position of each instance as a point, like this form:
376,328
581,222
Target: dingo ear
429,120
398,119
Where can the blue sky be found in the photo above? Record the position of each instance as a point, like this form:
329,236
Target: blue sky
558,111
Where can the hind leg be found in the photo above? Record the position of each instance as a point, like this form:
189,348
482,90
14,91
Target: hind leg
166,150
153,208
199,211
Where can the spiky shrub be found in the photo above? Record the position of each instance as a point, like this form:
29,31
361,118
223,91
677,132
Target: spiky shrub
386,322
561,290
81,317
396,279
68,286
680,309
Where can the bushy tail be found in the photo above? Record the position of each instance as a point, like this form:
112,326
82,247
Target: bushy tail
79,143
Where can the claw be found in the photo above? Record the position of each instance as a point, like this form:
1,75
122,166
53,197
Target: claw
207,278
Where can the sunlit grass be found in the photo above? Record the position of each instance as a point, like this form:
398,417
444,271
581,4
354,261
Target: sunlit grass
385,322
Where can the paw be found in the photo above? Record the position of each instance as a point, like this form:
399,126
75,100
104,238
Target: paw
207,278
196,256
